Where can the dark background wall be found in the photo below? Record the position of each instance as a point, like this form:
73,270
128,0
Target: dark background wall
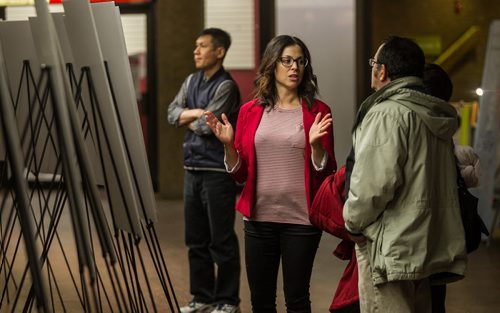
448,19
178,24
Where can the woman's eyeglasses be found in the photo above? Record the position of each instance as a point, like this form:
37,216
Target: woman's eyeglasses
288,61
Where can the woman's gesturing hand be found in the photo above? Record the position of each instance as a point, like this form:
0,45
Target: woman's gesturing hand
223,131
319,129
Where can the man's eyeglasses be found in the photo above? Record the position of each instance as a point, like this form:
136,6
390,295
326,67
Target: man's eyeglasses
288,61
372,62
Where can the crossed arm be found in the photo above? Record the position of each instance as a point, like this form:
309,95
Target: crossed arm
179,114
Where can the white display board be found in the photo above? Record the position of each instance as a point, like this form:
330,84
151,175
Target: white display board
18,48
134,25
87,52
49,52
488,125
111,39
62,35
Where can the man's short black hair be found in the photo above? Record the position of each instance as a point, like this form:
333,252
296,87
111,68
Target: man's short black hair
220,38
402,57
437,82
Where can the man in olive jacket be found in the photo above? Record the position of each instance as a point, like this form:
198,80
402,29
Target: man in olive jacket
402,208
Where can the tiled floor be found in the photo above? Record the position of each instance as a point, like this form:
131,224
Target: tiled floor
479,292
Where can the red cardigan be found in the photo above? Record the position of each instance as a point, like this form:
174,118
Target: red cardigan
248,120
326,214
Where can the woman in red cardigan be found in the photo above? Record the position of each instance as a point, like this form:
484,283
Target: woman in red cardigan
282,151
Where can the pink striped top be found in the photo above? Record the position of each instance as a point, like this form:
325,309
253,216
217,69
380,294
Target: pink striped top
280,148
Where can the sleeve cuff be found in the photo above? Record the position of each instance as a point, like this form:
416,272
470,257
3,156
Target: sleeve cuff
235,167
200,126
322,165
351,232
174,115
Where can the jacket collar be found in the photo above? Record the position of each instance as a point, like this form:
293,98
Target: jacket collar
384,93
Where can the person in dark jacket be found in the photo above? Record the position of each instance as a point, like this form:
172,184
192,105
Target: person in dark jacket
209,191
438,84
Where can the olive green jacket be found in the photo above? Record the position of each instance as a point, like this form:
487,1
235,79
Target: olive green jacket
402,193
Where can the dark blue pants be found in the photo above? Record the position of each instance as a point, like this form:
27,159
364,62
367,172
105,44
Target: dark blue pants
209,200
268,243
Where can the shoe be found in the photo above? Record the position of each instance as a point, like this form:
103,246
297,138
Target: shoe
196,307
226,308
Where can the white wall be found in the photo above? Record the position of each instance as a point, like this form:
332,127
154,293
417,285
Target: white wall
328,29
237,18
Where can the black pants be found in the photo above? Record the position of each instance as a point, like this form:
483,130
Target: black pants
268,243
438,296
209,199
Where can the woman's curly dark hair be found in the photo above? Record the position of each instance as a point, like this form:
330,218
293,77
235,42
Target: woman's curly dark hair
265,85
